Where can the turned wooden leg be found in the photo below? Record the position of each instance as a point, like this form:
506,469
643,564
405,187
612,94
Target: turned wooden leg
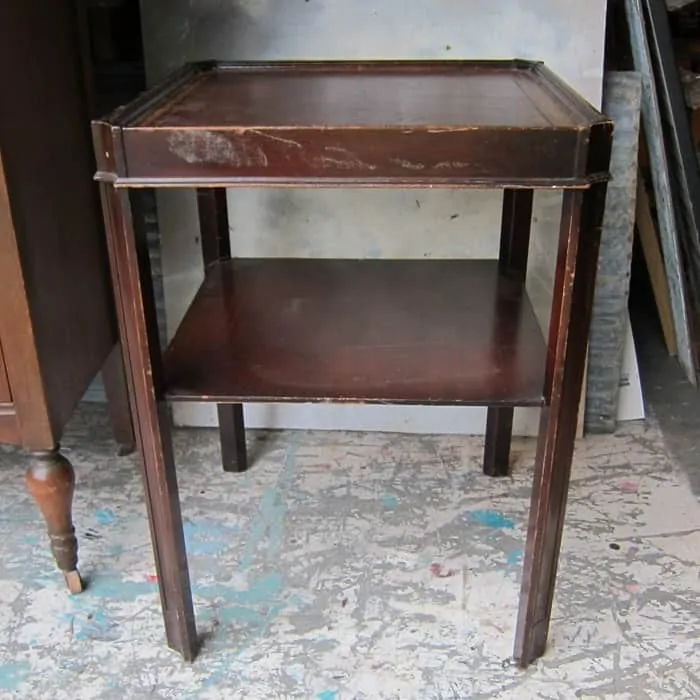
512,261
234,455
117,394
51,481
571,312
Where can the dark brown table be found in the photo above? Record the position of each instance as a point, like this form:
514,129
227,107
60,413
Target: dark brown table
458,332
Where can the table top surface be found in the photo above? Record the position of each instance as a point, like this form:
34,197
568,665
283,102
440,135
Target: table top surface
369,123
432,95
435,94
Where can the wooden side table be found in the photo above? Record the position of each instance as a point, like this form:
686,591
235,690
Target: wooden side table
458,332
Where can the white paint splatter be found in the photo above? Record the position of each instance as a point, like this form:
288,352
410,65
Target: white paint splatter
207,147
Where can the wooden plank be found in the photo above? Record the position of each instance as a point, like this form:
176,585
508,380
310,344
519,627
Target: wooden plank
651,116
622,94
655,266
678,140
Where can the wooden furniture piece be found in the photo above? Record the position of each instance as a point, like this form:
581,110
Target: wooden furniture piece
57,325
427,332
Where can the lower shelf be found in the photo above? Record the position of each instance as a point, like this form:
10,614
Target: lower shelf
381,331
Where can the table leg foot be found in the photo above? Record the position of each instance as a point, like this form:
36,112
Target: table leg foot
73,582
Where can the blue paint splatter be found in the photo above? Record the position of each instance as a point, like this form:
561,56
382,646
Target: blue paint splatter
208,538
514,557
389,501
116,588
261,591
268,523
105,516
491,518
12,675
327,695
250,611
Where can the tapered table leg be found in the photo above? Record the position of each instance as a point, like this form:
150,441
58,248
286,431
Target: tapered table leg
128,252
571,312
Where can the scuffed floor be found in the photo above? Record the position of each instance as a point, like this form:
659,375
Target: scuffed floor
348,566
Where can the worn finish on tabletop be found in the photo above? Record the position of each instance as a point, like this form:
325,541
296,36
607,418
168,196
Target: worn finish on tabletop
427,332
330,124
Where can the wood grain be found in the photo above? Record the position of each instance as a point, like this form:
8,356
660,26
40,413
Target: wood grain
465,123
385,331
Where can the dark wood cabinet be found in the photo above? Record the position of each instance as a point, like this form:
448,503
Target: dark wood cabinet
57,326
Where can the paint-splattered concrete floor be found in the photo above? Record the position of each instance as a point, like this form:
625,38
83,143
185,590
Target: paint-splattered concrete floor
356,566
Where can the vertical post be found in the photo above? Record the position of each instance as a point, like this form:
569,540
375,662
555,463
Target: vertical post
579,239
214,233
213,224
128,253
512,260
117,394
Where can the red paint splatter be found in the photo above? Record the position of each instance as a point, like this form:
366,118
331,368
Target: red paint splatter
439,571
629,487
151,578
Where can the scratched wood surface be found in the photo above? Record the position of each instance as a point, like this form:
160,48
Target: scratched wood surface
457,123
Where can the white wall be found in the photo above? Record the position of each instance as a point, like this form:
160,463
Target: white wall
567,34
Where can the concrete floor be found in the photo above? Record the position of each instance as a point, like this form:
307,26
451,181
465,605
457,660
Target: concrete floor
357,566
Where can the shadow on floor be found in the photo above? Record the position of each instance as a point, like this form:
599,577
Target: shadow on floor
668,395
